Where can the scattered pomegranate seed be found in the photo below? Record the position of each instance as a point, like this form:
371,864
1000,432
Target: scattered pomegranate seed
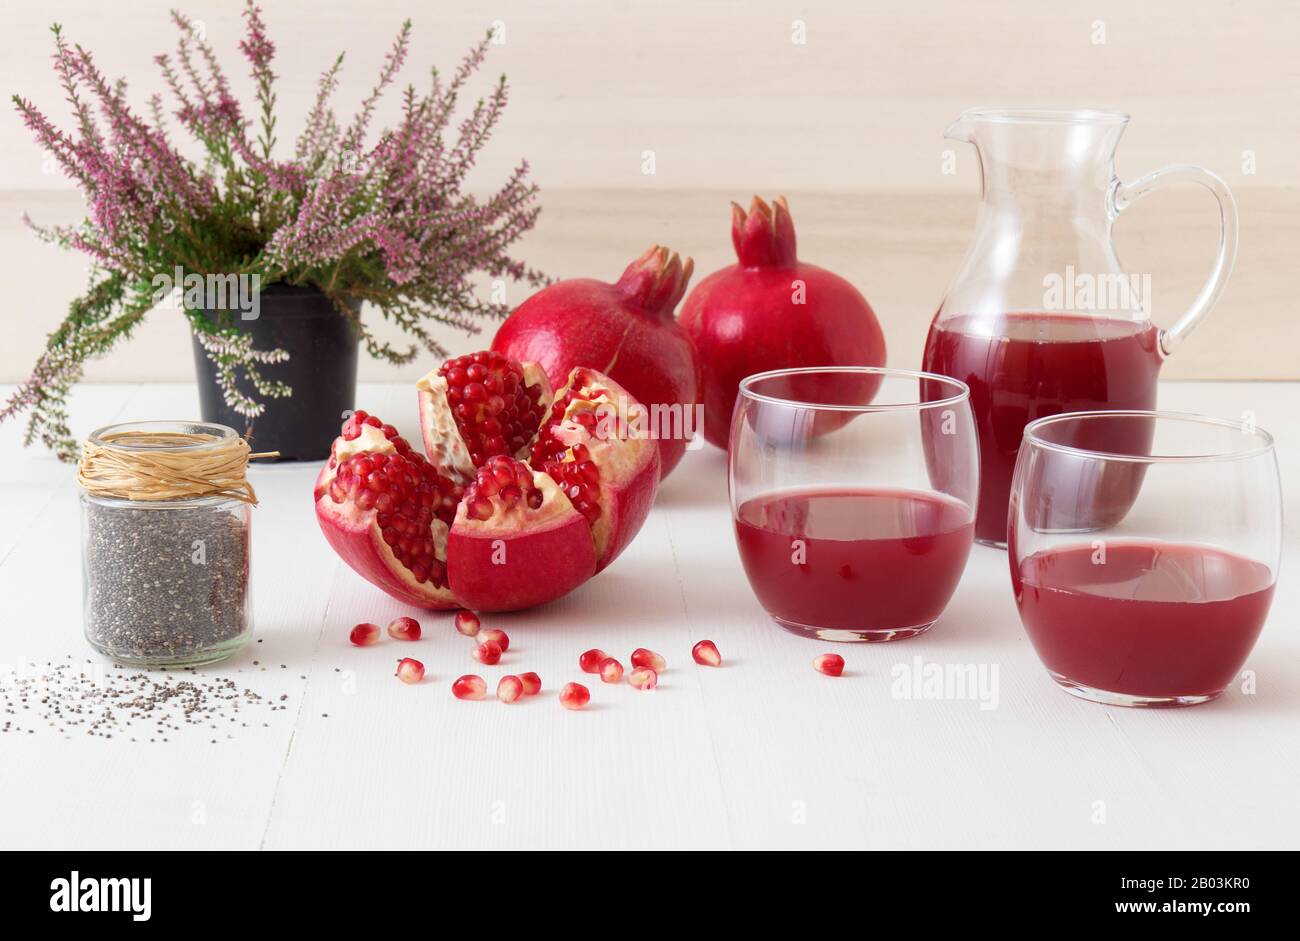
363,635
469,687
591,660
498,637
706,654
404,629
467,623
510,688
409,671
643,678
574,696
611,671
487,653
648,658
532,683
832,664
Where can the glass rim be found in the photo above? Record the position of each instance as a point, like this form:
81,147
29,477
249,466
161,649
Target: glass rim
1265,445
1047,116
220,434
886,372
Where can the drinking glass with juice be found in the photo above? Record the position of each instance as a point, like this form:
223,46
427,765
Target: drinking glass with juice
841,531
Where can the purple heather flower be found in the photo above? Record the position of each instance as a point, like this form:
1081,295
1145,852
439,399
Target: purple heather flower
386,222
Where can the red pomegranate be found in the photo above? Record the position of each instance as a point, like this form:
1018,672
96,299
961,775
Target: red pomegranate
772,311
521,499
626,330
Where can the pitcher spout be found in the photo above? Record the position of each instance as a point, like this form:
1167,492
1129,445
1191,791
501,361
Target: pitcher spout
961,129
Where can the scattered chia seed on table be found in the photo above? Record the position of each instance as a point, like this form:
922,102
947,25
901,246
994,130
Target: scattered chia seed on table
165,583
114,702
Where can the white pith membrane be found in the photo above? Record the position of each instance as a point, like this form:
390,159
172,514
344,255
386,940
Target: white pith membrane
534,375
443,444
370,439
618,445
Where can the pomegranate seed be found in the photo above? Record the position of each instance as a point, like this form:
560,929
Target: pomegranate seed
648,658
488,653
510,688
405,493
611,671
469,687
532,683
832,664
409,671
574,696
492,405
496,636
404,629
467,623
643,678
363,635
501,481
590,661
706,654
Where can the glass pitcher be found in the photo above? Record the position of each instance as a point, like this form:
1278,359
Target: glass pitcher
1041,318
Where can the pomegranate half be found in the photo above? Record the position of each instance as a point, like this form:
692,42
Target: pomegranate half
387,511
626,330
772,311
522,498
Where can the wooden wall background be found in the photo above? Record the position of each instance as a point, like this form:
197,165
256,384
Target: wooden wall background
847,124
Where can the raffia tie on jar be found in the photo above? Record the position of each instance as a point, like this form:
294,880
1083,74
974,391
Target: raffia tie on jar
166,509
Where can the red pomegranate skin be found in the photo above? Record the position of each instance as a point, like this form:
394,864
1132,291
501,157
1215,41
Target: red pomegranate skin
625,330
745,319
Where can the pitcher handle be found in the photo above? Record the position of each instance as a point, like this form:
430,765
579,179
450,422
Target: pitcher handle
1126,194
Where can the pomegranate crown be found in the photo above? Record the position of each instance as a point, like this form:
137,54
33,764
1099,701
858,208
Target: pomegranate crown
764,237
657,280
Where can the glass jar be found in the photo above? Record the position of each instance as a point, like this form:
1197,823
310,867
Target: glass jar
166,582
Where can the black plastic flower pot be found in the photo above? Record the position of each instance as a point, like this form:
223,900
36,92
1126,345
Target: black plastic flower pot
321,371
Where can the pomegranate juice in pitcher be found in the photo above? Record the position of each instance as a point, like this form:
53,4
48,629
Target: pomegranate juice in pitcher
1041,318
1038,365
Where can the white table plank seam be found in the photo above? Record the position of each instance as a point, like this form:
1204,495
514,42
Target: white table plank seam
699,685
297,715
1140,763
50,498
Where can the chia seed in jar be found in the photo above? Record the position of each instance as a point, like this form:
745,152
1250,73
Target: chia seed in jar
166,582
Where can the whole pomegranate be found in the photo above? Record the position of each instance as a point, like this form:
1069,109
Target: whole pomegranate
522,497
772,311
626,330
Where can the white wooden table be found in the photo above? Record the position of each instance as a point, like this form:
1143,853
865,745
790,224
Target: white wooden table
762,753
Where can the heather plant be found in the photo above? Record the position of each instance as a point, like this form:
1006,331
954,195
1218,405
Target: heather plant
382,221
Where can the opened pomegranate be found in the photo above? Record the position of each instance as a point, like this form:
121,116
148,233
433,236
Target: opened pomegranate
626,330
772,311
521,500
